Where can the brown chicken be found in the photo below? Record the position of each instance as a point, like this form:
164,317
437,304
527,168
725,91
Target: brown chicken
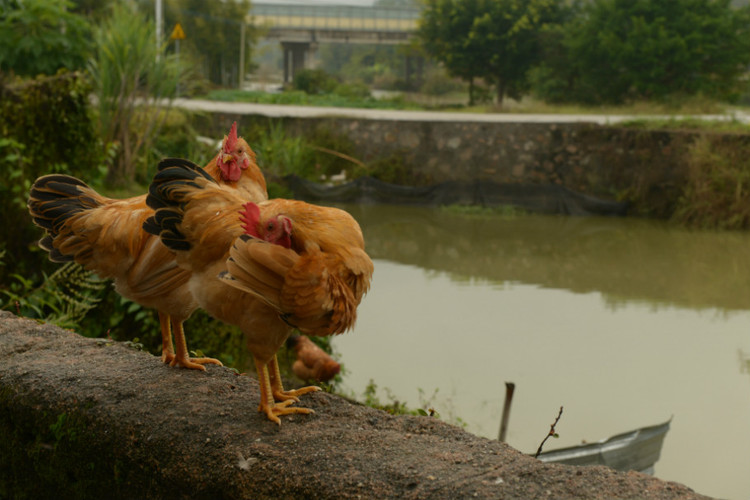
312,362
278,265
106,236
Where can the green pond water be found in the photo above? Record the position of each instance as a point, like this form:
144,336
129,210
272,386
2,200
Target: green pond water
623,322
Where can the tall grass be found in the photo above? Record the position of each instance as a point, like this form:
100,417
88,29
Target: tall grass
716,193
280,153
129,80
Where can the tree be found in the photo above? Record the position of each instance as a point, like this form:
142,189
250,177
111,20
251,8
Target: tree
444,31
497,40
41,37
509,33
622,50
214,35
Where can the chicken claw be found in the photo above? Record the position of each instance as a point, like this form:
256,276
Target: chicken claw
277,388
274,411
181,358
271,408
195,363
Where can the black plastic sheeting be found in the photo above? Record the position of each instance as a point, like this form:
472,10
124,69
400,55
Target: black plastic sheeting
534,198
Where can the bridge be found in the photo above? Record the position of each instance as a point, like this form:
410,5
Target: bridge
301,27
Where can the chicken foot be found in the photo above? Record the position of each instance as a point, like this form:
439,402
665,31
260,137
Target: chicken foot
277,387
271,408
167,351
181,357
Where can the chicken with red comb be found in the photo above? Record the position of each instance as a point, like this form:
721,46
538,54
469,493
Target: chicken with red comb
231,169
106,235
266,268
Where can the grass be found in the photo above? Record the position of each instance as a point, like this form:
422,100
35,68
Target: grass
655,114
729,125
716,192
686,106
300,98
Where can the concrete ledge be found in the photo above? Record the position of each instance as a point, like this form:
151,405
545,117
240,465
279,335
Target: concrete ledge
89,418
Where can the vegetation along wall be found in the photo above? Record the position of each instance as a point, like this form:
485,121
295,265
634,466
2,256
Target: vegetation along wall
658,171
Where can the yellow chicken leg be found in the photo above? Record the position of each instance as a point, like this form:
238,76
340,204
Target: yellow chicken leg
167,351
181,358
272,409
277,387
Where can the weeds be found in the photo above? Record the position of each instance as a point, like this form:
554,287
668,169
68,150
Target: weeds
64,298
483,211
717,188
730,125
396,407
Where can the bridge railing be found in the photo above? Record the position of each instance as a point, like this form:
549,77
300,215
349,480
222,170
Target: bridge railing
333,17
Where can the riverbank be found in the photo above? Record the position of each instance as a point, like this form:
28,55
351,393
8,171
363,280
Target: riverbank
692,176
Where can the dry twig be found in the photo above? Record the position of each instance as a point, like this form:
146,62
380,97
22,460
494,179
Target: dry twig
551,432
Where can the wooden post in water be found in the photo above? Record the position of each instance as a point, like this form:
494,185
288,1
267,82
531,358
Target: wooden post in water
509,388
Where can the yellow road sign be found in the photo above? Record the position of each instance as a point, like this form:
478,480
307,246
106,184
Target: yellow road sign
177,33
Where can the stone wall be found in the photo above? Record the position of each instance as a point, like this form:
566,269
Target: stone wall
646,168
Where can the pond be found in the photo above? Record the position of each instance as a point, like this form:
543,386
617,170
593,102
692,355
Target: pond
623,322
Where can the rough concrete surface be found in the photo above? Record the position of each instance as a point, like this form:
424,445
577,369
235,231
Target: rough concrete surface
91,418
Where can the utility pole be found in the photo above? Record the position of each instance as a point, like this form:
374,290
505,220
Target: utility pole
242,54
159,12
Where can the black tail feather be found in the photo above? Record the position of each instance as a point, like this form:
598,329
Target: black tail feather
172,172
166,197
55,198
178,162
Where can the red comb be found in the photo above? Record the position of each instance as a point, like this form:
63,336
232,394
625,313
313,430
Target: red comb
230,141
250,217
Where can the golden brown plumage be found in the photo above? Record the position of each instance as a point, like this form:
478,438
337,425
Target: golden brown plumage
278,265
106,236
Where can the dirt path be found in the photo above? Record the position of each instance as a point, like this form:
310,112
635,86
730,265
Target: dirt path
282,110
89,418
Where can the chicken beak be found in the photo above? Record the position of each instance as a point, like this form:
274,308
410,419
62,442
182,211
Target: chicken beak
226,158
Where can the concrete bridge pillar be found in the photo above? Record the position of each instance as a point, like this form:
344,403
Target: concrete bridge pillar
297,56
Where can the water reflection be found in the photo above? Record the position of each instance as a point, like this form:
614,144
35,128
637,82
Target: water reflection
624,322
624,259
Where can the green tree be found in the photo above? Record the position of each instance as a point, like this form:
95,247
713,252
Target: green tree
214,36
497,40
41,37
444,31
508,33
622,50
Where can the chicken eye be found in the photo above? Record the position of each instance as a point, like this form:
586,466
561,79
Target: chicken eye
270,226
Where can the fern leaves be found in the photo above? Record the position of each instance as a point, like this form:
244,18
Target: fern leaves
63,298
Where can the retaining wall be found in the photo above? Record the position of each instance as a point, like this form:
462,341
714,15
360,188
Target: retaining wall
647,168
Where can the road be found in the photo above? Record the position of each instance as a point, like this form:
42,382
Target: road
279,110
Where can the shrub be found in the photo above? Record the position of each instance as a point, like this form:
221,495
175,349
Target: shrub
45,128
717,188
439,84
352,90
314,81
